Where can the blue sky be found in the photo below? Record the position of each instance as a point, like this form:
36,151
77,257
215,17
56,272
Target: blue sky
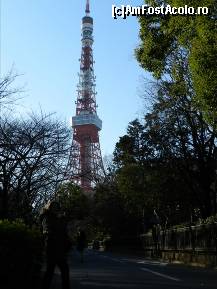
41,38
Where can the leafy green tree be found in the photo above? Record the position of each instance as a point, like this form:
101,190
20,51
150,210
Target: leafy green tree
173,168
165,37
73,201
133,148
181,136
108,209
156,184
133,158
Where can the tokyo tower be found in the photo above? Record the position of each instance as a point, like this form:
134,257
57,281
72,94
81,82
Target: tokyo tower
85,165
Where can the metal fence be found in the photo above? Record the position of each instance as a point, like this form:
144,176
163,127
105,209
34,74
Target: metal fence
201,238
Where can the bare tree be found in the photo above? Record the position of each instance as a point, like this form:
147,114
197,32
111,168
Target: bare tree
33,155
8,93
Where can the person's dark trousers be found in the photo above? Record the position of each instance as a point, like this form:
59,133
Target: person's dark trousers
64,269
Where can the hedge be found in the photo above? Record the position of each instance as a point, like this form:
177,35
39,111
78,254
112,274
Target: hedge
21,255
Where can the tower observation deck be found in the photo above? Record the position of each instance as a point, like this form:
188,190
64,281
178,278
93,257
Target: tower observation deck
85,163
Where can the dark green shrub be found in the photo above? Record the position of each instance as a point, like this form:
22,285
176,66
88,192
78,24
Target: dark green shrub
21,255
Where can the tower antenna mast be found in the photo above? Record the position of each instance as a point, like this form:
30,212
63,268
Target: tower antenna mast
85,162
87,7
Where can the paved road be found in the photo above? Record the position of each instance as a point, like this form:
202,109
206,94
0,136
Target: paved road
109,271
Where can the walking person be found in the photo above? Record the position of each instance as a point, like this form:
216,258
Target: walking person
81,243
57,244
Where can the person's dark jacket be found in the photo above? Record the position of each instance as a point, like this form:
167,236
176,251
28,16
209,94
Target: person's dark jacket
81,241
56,235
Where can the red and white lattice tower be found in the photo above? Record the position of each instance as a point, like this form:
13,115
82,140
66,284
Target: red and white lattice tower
85,163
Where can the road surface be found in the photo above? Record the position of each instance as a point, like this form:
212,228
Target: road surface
102,270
